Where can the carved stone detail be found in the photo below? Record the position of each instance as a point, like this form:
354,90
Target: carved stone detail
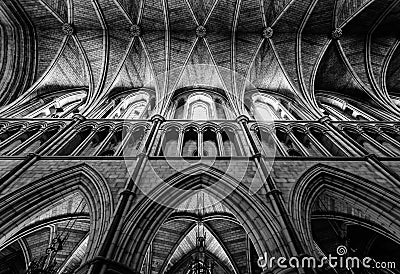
201,31
337,34
135,31
68,29
268,32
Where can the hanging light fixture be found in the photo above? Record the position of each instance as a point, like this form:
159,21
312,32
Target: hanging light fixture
200,264
47,263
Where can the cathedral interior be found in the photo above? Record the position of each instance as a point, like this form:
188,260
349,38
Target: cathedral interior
199,136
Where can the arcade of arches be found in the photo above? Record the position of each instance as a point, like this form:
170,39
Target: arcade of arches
198,136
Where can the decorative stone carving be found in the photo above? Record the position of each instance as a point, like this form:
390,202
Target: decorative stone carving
135,31
337,33
157,117
201,31
267,32
68,29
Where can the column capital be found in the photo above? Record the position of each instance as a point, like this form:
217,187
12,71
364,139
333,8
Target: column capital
371,156
242,118
142,155
78,117
325,119
157,118
274,192
127,192
32,155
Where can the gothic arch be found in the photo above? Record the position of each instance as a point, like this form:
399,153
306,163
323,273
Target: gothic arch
23,203
143,222
377,200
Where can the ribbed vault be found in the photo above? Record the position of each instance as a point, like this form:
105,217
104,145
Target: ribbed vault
103,53
188,245
69,219
227,244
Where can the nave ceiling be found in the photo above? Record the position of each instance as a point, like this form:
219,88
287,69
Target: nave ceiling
297,48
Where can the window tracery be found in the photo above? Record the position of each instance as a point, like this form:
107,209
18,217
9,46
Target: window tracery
132,142
210,141
62,107
340,110
264,107
200,105
132,107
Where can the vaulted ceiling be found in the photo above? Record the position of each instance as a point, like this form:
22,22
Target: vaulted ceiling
295,48
69,219
175,243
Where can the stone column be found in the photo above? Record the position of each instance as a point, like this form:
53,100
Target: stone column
276,198
53,142
220,143
32,158
354,148
103,261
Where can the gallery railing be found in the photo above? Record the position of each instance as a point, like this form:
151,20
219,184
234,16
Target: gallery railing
117,138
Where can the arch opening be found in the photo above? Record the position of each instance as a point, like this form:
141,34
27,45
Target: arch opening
334,208
259,227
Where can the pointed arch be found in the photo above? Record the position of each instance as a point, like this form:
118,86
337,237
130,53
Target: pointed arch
380,202
20,205
143,222
192,220
176,246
